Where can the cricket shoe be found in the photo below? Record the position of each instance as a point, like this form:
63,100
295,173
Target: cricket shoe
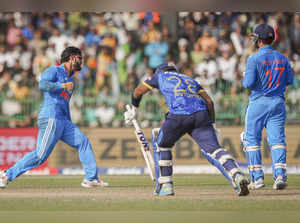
167,189
94,183
242,184
279,183
3,179
254,185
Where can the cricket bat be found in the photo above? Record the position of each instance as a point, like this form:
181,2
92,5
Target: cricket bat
145,148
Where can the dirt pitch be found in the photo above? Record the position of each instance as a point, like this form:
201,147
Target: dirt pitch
114,193
196,196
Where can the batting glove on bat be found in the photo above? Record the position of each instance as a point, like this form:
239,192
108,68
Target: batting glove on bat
130,114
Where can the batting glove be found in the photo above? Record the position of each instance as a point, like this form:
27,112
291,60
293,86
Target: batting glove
130,114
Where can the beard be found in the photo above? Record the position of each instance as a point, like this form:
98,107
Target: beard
77,67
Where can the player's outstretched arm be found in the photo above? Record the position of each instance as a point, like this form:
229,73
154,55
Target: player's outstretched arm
209,105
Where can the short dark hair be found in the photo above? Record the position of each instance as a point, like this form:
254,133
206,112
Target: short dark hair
69,51
267,41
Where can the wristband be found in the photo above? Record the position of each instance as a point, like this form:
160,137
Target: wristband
136,101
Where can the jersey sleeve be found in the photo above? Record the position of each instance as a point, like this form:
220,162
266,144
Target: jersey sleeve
250,73
290,75
49,81
152,82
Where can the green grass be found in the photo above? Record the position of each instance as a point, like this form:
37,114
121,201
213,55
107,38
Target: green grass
130,199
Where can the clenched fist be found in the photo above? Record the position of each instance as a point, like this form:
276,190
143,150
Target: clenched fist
68,86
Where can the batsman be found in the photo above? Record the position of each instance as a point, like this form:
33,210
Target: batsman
191,111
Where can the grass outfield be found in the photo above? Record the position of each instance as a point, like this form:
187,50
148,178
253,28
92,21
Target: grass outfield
198,198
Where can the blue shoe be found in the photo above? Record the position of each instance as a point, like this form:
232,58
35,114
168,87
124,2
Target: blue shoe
279,183
167,189
242,185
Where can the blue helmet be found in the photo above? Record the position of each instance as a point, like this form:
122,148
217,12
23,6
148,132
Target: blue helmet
264,32
166,67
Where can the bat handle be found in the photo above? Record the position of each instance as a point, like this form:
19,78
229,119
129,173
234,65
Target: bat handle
136,125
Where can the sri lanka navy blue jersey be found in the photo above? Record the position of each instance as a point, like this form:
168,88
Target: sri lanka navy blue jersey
56,99
268,73
180,91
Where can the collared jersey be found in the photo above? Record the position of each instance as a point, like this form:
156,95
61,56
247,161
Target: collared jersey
180,91
268,73
56,99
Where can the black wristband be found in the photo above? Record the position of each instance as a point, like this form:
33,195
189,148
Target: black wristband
136,101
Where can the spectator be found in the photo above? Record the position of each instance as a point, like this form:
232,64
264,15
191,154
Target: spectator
221,85
13,36
105,114
59,40
295,34
156,51
209,66
227,64
208,43
197,56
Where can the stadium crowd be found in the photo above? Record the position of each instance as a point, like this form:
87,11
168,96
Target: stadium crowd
122,49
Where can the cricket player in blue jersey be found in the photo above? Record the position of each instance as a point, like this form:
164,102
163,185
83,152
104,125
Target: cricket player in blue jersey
267,75
54,123
192,112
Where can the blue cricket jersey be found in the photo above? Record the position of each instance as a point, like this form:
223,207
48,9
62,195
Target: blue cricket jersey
179,90
268,73
56,99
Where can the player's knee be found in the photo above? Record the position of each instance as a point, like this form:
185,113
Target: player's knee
250,149
84,140
39,158
278,146
222,156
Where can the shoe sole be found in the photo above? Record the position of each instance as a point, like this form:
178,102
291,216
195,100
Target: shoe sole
172,194
256,188
86,186
280,186
244,188
91,186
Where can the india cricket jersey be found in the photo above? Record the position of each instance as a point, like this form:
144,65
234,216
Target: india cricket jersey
268,73
56,99
180,91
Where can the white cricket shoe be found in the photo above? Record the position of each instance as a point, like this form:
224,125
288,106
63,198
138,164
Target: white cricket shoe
3,179
254,185
94,183
279,183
